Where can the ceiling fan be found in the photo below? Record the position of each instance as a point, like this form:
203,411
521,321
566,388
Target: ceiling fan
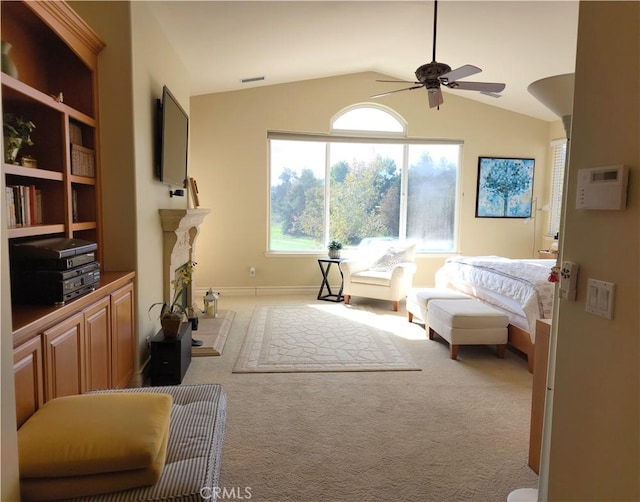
432,75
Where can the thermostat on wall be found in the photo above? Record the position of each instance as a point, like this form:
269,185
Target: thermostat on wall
602,187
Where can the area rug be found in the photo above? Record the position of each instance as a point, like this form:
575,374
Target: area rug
213,332
317,338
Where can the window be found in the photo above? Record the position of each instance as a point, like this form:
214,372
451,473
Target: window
559,156
365,180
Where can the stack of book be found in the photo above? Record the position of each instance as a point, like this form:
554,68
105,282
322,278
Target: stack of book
24,205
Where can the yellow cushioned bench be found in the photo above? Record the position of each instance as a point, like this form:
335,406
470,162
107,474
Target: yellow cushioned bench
116,445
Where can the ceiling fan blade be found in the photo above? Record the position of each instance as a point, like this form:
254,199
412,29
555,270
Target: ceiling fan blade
399,81
462,72
435,98
477,86
397,90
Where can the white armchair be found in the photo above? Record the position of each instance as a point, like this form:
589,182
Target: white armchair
385,275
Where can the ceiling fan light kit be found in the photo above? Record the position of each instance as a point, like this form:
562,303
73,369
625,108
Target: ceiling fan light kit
433,75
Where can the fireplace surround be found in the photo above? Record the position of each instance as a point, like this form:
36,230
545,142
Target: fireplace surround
180,228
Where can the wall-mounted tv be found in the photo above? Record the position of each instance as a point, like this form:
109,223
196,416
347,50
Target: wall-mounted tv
173,140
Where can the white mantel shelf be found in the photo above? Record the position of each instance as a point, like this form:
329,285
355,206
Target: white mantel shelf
172,219
180,228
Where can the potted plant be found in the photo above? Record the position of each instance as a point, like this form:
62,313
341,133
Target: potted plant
334,248
172,314
17,133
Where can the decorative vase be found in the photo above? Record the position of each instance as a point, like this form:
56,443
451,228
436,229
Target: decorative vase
8,66
170,326
11,149
334,253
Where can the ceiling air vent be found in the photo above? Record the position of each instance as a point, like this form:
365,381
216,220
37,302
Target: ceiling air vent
252,79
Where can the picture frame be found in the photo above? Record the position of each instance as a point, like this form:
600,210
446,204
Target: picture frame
193,190
505,187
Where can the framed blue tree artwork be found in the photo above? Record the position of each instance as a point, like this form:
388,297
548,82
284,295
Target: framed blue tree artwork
505,187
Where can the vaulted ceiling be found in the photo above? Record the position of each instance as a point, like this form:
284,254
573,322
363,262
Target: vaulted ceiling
515,42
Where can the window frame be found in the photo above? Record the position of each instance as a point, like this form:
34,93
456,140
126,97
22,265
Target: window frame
373,137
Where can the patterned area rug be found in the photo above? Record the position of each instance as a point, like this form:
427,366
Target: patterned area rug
315,338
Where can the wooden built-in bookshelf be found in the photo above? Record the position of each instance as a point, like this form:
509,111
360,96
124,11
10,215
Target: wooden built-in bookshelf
89,342
56,90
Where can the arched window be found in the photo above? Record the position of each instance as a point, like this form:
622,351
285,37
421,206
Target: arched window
365,180
368,118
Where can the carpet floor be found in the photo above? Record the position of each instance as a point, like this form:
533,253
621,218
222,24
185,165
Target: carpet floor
310,338
455,431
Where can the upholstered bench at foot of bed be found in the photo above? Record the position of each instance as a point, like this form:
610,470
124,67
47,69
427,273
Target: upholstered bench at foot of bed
418,300
194,450
467,322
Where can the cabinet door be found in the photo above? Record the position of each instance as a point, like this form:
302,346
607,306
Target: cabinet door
63,361
123,336
97,343
29,380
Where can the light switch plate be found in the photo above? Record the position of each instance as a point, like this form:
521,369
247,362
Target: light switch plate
600,298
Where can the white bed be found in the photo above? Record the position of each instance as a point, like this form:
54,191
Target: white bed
519,288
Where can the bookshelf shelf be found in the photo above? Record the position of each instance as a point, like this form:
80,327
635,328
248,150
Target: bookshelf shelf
32,172
35,231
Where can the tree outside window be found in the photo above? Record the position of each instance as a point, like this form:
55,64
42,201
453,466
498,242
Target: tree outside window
376,190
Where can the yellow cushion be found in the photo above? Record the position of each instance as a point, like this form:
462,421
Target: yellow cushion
95,433
38,489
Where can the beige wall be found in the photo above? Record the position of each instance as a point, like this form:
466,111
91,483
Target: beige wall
229,161
135,64
594,450
155,64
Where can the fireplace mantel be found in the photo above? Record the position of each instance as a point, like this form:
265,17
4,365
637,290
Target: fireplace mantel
180,228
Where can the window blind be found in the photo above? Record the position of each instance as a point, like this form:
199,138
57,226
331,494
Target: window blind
559,156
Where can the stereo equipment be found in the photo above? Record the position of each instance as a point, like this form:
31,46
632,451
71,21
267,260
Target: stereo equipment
56,263
26,288
53,271
54,248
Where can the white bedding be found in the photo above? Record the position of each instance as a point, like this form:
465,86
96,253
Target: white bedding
517,287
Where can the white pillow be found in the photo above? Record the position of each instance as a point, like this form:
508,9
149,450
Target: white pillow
388,260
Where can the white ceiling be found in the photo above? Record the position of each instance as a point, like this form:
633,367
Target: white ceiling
516,42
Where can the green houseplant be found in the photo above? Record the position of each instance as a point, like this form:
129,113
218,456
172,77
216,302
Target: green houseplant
334,248
173,314
17,133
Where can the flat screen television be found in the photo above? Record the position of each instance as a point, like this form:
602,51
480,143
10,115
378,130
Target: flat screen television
173,140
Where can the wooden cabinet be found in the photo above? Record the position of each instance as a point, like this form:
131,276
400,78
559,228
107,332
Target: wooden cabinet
123,339
29,380
88,344
97,346
539,391
63,361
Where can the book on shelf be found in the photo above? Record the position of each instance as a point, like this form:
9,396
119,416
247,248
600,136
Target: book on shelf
74,205
75,133
11,207
24,205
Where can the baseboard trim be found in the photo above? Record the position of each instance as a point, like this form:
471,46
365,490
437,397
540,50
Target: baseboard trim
261,291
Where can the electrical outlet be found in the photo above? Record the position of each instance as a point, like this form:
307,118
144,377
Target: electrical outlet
252,271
